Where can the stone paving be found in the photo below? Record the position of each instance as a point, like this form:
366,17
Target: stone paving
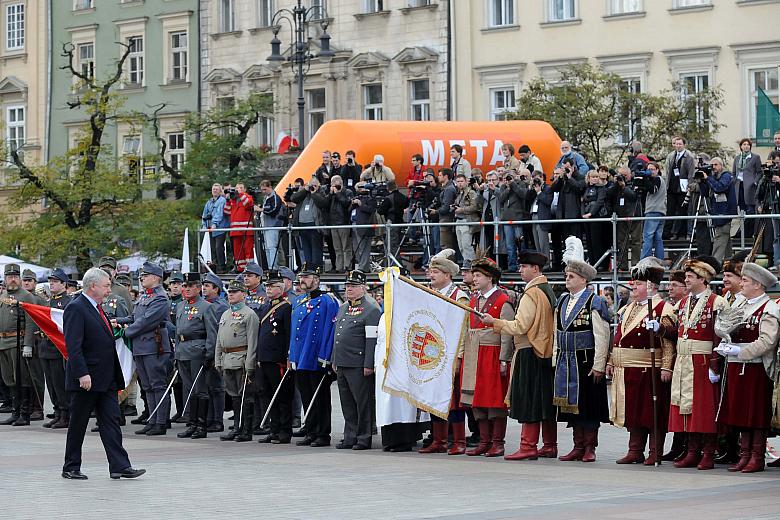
212,479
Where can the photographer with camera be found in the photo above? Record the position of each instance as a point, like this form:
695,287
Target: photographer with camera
747,170
768,199
362,211
351,170
655,206
240,206
491,211
718,187
445,208
512,198
569,186
540,197
213,217
459,165
393,206
273,213
626,202
698,202
596,205
680,165
377,171
429,203
309,205
466,209
337,204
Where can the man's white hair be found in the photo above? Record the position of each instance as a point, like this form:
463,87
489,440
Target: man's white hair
92,277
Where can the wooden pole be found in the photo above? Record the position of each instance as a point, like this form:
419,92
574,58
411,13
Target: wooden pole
439,295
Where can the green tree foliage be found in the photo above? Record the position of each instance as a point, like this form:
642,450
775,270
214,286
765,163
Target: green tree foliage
591,108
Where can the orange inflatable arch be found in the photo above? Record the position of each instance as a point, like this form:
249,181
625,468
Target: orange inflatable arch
398,141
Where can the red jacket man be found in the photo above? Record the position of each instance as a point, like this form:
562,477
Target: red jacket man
240,208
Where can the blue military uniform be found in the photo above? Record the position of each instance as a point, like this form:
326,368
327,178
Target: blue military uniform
311,345
147,329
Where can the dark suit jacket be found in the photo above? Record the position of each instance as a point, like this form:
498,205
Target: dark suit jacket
91,348
750,176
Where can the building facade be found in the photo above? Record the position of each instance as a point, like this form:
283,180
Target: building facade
161,68
390,61
503,44
23,90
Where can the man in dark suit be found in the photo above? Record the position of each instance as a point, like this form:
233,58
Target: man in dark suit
92,378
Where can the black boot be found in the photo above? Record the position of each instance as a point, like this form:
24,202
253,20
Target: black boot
201,418
247,423
54,420
194,403
25,408
728,449
232,434
16,403
678,449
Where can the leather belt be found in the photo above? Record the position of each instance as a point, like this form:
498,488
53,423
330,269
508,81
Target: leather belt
231,350
11,334
182,337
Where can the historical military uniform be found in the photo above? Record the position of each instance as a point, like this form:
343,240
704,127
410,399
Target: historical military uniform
29,281
15,334
353,351
255,297
117,289
273,346
147,330
311,346
214,384
751,359
175,298
192,329
235,356
633,369
53,363
581,344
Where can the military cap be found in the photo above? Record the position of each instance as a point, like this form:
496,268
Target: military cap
176,276
152,268
73,283
287,273
253,268
124,279
311,269
107,261
356,277
191,278
532,257
29,274
11,269
214,280
59,274
273,276
236,286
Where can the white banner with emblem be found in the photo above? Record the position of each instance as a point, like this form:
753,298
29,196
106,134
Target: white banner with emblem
425,334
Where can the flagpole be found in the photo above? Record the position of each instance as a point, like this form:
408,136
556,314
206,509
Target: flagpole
439,295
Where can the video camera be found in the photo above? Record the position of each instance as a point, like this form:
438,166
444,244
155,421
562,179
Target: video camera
769,170
419,187
376,189
701,169
230,193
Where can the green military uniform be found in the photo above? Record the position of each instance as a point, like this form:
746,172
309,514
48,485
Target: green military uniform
235,357
34,363
116,289
14,332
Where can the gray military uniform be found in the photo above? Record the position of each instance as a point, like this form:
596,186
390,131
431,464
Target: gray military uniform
215,385
353,350
236,348
192,326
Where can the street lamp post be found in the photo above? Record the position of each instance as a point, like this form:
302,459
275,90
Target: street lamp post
299,18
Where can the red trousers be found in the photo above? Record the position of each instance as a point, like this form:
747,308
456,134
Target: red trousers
243,250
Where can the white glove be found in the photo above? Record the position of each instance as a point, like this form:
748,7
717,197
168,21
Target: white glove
714,378
27,352
731,350
653,325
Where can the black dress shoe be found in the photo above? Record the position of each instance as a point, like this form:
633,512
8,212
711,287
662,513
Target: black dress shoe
300,433
320,443
141,419
261,431
128,473
6,407
74,475
131,411
401,448
344,446
199,433
215,428
281,440
143,430
36,416
360,447
48,415
187,433
306,441
268,439
22,421
157,429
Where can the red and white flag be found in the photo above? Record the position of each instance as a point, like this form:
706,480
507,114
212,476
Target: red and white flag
50,322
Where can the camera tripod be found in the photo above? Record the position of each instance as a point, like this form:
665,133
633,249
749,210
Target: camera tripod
418,215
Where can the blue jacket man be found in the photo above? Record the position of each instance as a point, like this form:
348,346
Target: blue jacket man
720,190
147,329
214,217
579,160
311,346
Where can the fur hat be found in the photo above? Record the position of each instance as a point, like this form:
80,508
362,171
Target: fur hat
649,269
704,266
443,262
581,268
734,264
759,274
677,276
488,267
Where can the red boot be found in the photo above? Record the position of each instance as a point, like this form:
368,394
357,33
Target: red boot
498,425
758,455
578,435
484,438
708,449
458,439
636,447
550,439
652,458
745,445
529,438
591,441
439,444
693,456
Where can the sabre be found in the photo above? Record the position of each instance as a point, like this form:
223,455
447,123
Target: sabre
186,402
656,438
32,383
243,394
268,409
303,420
175,373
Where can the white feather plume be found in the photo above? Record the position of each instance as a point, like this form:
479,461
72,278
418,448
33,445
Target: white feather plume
574,250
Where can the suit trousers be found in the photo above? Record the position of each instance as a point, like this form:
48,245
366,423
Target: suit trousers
153,375
541,238
106,406
318,421
721,246
343,246
218,250
54,372
463,233
356,393
280,417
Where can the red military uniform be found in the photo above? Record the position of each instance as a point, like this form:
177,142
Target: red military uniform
241,211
